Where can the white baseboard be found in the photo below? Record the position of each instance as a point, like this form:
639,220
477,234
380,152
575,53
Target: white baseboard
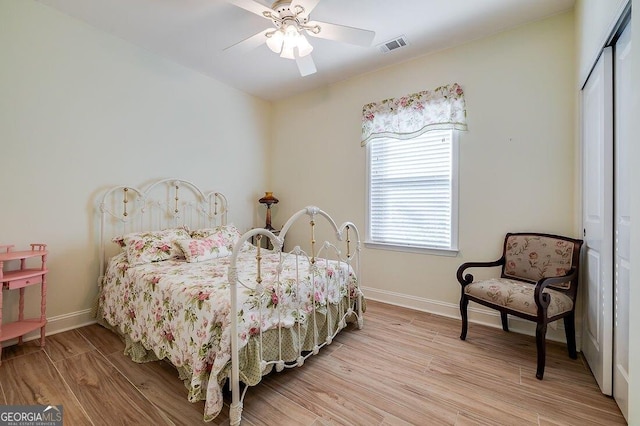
488,317
58,324
478,315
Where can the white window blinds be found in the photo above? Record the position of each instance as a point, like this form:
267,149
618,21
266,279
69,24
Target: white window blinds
412,191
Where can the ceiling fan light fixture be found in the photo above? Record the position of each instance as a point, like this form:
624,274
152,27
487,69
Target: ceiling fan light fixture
290,36
291,33
275,41
287,53
292,39
304,47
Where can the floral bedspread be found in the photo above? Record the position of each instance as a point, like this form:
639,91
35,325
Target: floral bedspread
181,311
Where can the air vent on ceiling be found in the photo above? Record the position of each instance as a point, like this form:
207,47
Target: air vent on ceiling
394,44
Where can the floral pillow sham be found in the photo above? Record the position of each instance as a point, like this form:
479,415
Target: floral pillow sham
201,249
224,235
154,246
195,246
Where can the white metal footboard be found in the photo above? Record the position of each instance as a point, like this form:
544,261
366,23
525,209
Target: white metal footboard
319,260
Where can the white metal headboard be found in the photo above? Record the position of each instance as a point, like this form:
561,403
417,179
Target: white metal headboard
167,203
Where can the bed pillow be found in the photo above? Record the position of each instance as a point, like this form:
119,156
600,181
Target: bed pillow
119,240
153,246
224,235
201,249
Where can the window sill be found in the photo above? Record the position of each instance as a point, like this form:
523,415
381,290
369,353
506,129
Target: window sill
412,249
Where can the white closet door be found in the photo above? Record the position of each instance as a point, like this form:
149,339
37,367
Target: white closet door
622,214
597,275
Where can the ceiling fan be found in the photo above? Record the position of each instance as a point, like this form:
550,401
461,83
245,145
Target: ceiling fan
291,21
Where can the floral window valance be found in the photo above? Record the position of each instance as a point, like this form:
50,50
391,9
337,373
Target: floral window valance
412,115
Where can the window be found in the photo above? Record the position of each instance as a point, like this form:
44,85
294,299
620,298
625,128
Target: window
412,170
412,192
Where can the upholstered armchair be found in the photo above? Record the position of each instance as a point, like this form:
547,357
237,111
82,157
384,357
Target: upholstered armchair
538,282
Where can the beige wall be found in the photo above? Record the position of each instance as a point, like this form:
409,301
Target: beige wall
516,161
81,111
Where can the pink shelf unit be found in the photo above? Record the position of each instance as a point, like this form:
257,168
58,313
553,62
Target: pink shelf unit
18,279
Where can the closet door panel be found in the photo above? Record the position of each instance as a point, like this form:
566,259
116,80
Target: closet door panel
597,166
622,213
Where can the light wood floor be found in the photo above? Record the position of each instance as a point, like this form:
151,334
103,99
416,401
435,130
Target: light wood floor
404,367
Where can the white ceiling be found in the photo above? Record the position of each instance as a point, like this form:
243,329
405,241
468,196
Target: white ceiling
195,33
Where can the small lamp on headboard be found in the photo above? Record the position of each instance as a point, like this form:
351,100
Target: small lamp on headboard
268,200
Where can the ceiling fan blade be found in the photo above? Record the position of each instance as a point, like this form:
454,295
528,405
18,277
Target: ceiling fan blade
343,33
249,43
253,7
307,5
306,66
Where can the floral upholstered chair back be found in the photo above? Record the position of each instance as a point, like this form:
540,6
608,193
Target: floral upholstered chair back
531,257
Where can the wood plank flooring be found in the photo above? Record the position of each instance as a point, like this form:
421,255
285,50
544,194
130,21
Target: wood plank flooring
404,367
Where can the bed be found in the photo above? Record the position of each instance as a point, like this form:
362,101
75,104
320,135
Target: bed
178,282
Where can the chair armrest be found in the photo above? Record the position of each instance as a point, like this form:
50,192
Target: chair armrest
468,279
543,299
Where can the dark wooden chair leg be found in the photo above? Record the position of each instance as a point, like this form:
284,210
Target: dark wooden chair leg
570,332
505,321
464,302
541,336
